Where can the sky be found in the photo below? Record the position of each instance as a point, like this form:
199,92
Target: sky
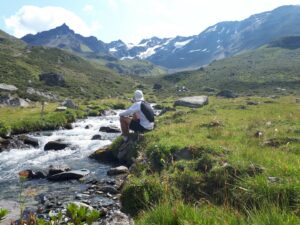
128,20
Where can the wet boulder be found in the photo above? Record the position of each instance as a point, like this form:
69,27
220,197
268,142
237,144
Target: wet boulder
104,155
57,169
192,102
55,145
117,171
30,141
69,175
110,129
96,137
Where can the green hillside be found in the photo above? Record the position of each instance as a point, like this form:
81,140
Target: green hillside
21,66
267,70
127,67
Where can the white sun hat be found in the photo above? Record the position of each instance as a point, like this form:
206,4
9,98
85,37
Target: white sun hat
138,96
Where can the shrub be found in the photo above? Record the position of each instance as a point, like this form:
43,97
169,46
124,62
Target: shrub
140,194
5,129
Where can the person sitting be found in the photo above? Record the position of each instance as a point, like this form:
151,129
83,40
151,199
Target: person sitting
139,117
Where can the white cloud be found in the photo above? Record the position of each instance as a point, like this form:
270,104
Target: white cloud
88,8
33,19
113,5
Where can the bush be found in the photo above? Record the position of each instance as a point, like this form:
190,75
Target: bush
5,129
141,194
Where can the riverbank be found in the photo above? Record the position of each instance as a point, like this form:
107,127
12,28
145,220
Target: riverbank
16,120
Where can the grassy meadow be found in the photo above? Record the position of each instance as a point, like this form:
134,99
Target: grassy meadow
234,161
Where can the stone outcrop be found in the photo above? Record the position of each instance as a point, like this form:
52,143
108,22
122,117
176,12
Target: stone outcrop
52,79
7,87
7,100
69,104
192,102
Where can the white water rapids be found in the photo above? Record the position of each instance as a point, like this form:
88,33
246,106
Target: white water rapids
75,156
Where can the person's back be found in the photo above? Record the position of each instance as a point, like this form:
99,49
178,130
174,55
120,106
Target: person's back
142,116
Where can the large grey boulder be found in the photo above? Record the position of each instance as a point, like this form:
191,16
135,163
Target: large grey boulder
52,79
69,104
8,87
117,170
18,102
10,101
192,101
69,175
47,95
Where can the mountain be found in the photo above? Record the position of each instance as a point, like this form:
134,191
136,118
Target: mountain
93,49
219,41
36,69
271,69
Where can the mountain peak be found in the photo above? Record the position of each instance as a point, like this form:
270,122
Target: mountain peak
63,29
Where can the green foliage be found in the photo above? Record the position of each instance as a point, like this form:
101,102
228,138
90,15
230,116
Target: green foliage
140,194
5,129
81,214
179,213
3,213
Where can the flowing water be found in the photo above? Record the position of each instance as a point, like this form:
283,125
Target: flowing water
75,156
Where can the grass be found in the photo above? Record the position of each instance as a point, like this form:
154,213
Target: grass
180,213
30,119
214,154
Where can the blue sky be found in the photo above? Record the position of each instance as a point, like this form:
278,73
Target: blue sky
128,20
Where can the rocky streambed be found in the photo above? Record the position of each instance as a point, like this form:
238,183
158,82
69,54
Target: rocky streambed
68,149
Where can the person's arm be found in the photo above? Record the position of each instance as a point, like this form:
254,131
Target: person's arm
131,110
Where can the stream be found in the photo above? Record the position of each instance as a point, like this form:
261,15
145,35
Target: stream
75,156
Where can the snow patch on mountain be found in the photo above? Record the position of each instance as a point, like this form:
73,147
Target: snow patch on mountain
180,44
211,29
196,50
113,50
148,52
